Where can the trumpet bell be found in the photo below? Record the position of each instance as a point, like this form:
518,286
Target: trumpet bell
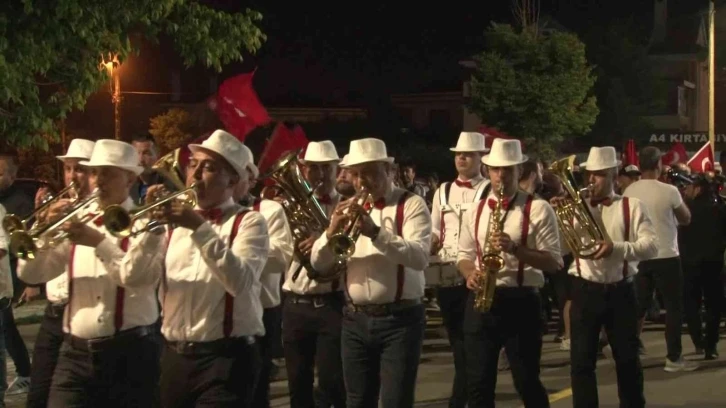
342,245
23,245
11,223
117,221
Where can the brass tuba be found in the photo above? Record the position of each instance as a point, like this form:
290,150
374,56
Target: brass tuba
121,222
304,213
581,230
491,261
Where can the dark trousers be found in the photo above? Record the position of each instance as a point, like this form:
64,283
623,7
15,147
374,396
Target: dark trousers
515,323
703,285
381,357
311,332
452,301
14,343
272,319
666,275
124,375
45,356
217,374
614,306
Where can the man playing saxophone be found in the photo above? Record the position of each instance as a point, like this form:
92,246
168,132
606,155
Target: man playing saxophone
527,243
602,287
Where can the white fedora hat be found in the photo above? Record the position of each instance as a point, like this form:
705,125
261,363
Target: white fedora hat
78,149
601,158
229,147
366,151
321,152
505,153
251,166
114,153
344,161
470,142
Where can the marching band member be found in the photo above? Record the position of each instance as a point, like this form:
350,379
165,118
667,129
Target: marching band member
384,318
602,287
528,243
6,298
111,351
344,183
211,289
450,203
278,260
312,311
50,335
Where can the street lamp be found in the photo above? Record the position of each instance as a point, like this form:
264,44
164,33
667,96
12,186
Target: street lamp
111,65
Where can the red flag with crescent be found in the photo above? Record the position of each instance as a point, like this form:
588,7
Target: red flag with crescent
702,161
676,154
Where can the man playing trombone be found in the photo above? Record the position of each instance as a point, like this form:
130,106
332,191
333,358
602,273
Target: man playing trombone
210,293
50,335
388,233
111,350
602,287
522,240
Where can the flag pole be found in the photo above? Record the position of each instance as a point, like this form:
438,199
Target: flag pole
711,76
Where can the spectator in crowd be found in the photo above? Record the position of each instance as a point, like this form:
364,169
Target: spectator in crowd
627,176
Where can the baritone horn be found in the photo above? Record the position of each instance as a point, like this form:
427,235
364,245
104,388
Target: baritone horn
580,228
305,215
13,222
343,243
26,244
121,222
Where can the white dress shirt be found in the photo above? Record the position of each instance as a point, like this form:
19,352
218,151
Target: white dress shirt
542,235
6,281
460,200
201,268
97,273
640,245
281,249
373,269
303,285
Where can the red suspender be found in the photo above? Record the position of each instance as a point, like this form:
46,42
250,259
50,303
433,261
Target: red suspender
525,235
118,318
256,204
401,276
164,284
626,220
228,321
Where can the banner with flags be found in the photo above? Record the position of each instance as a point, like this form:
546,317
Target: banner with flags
630,154
702,161
237,105
282,140
676,154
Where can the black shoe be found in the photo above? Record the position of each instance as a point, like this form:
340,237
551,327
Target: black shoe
711,354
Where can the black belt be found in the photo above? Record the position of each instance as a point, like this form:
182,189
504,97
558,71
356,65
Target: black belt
317,301
603,287
209,347
382,309
55,310
104,343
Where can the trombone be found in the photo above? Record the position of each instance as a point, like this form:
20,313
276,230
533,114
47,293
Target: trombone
12,222
25,244
343,243
120,221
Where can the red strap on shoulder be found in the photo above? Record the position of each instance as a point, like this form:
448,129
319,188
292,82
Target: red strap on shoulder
479,209
401,275
256,204
71,258
626,220
525,235
118,318
228,322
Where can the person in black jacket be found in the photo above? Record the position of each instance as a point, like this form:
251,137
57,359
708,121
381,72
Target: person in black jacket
702,247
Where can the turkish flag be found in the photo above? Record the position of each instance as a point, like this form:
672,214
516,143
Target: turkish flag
281,141
676,154
238,107
702,161
630,156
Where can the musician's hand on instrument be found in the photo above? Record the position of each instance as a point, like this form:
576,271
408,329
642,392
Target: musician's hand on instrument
179,214
58,208
154,192
81,234
501,241
338,218
367,227
436,244
307,244
472,281
557,201
41,195
606,248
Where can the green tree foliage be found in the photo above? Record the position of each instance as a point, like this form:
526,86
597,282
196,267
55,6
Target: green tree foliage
627,90
171,129
50,51
534,87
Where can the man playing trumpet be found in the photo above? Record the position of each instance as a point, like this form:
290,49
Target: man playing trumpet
111,350
602,287
527,243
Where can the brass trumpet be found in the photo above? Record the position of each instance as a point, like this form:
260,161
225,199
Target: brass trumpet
12,222
120,222
25,244
343,243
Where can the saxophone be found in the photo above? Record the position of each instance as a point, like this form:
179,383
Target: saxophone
490,262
